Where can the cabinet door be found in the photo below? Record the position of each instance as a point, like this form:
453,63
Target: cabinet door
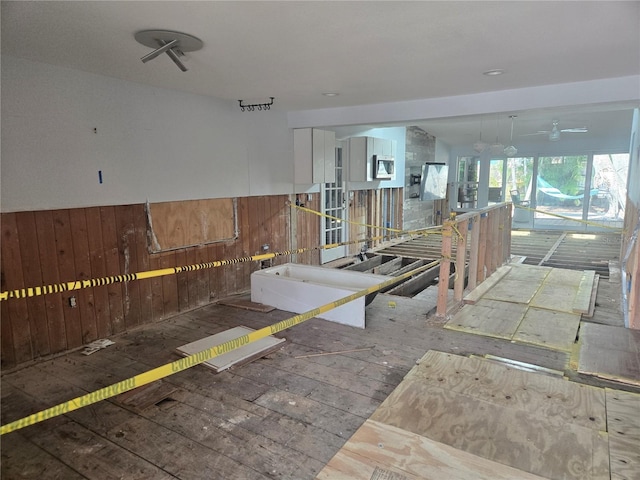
302,150
317,155
358,159
329,157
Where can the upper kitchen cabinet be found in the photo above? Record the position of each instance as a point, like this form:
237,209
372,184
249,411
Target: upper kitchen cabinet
371,159
314,154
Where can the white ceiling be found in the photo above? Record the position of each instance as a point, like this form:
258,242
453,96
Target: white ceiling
369,52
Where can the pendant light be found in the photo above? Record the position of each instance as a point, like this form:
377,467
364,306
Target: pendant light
480,146
510,151
497,148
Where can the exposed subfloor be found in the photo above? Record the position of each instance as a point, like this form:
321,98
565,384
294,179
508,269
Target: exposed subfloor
283,416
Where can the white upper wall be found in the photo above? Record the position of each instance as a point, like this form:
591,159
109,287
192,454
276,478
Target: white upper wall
149,143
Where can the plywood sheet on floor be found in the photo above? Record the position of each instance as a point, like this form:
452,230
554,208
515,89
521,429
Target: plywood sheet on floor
554,296
519,435
528,273
558,400
548,328
399,454
492,318
516,291
240,355
546,299
609,352
623,421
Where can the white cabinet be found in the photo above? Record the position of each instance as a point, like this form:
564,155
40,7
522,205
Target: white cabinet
314,153
364,153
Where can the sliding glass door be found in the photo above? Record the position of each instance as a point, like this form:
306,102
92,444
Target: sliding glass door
560,190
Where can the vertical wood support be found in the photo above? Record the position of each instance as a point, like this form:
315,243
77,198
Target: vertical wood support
461,256
445,269
507,234
474,250
482,253
634,290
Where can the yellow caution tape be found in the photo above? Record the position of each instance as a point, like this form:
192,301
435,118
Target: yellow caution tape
96,282
195,359
421,231
586,222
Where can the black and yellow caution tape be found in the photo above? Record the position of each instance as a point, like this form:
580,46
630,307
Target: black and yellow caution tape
564,217
96,282
422,231
195,359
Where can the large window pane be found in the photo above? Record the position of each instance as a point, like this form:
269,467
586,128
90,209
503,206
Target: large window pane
560,189
609,177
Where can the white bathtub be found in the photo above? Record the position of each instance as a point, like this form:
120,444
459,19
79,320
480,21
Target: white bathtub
300,288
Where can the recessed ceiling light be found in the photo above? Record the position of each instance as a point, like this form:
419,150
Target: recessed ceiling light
330,94
494,72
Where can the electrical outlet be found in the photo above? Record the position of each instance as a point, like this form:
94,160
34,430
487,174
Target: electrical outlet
72,302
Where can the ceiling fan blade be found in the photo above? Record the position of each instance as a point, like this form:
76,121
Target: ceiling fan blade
540,132
575,130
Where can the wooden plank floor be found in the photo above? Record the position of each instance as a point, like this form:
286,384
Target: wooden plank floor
283,416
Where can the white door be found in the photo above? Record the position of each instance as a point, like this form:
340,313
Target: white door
333,203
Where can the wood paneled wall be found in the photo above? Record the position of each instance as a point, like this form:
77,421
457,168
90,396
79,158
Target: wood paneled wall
631,218
368,207
55,246
49,247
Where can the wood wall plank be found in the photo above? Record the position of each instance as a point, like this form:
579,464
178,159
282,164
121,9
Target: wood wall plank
144,264
98,270
157,290
169,285
128,259
50,275
66,267
182,281
32,272
85,296
112,264
18,311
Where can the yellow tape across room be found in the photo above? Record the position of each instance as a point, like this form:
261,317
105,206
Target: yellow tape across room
422,231
197,358
96,282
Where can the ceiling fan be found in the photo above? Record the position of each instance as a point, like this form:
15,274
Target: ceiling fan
554,133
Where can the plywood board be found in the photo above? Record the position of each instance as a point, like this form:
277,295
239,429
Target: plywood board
186,223
241,355
548,328
555,296
609,352
524,440
557,400
623,423
528,273
379,451
477,293
247,305
562,276
582,302
489,317
515,291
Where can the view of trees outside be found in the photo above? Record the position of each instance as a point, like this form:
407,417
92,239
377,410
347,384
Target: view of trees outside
560,186
609,176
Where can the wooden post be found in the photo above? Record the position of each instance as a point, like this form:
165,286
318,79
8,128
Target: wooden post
634,293
461,256
445,269
498,257
474,251
482,253
508,231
